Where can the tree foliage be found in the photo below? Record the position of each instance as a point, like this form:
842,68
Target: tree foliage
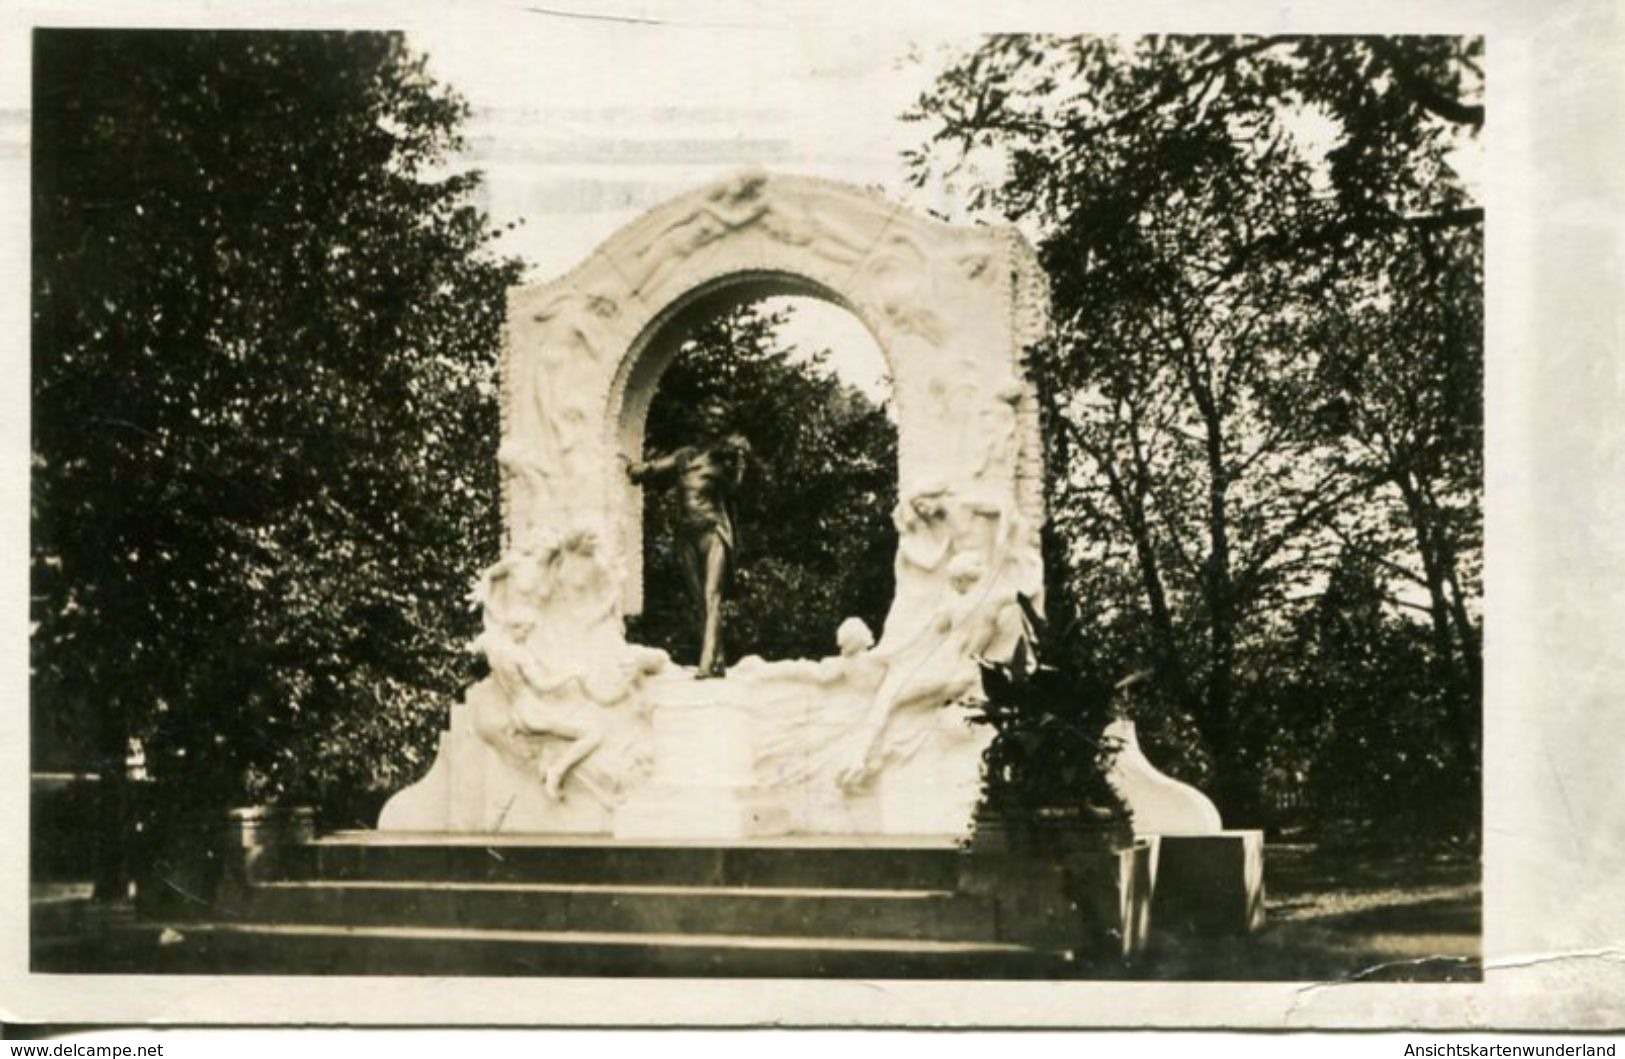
1266,364
265,326
817,541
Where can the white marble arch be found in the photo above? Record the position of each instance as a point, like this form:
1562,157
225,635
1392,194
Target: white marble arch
577,730
951,308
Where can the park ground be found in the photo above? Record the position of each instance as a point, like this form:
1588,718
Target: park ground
1368,914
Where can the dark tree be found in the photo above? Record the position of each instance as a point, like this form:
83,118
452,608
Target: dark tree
1268,294
265,324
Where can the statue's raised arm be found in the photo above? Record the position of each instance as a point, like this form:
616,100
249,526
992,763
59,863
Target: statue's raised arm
656,471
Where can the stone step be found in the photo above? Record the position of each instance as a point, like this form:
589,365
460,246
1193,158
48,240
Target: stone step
604,908
262,948
927,863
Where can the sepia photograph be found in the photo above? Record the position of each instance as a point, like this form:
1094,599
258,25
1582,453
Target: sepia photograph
669,493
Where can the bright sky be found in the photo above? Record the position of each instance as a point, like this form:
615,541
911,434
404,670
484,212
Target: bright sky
582,123
583,120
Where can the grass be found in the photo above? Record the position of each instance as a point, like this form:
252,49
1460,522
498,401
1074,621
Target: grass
1347,915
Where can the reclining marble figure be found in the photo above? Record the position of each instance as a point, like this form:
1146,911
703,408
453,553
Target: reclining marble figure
940,666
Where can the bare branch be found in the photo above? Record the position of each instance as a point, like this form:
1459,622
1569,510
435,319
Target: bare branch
1314,513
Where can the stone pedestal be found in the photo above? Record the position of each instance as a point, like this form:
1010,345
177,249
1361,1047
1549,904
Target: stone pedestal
1135,892
704,781
696,812
1064,883
257,841
1207,884
825,809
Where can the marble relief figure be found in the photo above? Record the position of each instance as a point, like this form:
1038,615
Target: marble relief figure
939,667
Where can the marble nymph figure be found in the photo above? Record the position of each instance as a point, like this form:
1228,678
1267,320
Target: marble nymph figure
578,731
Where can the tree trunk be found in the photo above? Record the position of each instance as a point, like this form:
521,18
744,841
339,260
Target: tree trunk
1164,642
1471,643
1165,645
1233,792
1457,670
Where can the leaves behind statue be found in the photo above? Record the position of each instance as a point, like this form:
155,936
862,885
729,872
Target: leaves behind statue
1048,755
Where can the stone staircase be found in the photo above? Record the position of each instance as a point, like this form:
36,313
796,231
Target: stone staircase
371,903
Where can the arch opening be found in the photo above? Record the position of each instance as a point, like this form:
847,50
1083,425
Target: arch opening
651,353
808,387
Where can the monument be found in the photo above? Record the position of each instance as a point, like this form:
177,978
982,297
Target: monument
578,731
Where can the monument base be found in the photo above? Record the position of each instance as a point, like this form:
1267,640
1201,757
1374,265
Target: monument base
660,811
755,755
1071,884
1207,884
